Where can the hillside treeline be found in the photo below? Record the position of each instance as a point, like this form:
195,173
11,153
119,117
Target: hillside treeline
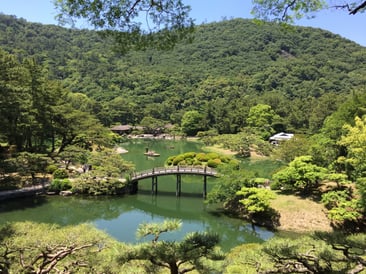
235,84
303,74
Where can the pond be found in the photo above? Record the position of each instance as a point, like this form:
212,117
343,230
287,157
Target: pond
120,216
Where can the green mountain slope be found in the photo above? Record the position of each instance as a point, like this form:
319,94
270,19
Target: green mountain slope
302,73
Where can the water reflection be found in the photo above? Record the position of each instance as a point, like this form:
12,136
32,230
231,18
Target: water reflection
121,216
198,216
60,210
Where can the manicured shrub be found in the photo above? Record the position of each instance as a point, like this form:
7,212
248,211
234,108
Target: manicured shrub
189,161
275,185
225,159
182,163
202,157
189,155
170,160
178,159
197,163
234,163
213,155
255,182
213,162
91,185
60,185
60,174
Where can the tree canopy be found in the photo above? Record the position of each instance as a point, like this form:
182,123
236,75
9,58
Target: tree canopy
355,142
290,10
28,247
300,174
172,15
235,77
229,68
132,22
179,257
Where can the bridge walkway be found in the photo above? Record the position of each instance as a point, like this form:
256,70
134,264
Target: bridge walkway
154,173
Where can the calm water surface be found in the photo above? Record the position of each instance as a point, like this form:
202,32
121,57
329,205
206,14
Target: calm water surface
120,216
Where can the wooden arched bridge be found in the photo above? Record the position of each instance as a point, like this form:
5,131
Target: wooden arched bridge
154,173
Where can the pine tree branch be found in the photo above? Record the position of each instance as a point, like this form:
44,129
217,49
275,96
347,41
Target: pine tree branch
358,8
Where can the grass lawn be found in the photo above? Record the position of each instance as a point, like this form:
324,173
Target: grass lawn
218,149
296,213
300,215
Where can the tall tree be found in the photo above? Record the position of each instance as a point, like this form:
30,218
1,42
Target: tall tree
29,164
224,191
15,99
255,200
76,127
168,19
355,142
262,117
344,210
300,174
192,122
42,99
290,10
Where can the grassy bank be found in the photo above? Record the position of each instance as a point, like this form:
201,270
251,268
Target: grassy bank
296,214
300,215
218,149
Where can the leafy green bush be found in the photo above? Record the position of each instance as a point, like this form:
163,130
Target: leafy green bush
60,174
255,182
243,253
213,155
189,161
275,185
208,133
211,159
214,162
51,169
196,162
92,185
189,155
182,163
234,163
202,157
170,160
178,159
60,185
225,159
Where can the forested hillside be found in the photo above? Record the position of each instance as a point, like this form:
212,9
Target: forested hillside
236,84
230,66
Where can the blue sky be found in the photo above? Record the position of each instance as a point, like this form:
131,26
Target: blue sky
339,22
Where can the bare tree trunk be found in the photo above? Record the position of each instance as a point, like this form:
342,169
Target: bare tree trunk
173,268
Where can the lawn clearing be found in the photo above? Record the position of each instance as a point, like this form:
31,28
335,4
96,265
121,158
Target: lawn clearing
300,215
219,149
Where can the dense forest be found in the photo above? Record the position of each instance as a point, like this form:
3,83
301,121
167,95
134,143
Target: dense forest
236,83
303,74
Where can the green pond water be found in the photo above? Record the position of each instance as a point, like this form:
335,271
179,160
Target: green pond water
120,216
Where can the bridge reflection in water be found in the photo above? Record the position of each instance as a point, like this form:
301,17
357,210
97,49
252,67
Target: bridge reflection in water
175,170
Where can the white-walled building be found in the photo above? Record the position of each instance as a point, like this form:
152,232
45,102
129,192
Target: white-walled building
279,137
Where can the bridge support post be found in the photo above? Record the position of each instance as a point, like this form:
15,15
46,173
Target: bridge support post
178,186
204,186
154,185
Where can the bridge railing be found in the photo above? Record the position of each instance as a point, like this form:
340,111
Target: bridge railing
175,169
